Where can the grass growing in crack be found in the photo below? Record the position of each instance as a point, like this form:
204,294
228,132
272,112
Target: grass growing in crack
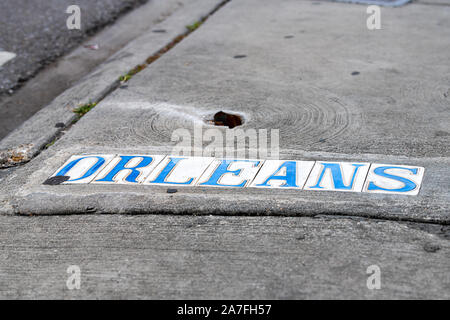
156,56
48,145
194,26
132,72
82,110
124,78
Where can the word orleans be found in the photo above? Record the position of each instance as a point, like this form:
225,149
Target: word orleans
239,173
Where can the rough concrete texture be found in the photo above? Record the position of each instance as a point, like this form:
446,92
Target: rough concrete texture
42,128
393,109
61,75
175,257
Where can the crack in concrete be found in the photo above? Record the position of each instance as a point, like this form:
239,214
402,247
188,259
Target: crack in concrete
439,229
324,215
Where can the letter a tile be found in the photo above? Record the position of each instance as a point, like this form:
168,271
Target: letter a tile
285,174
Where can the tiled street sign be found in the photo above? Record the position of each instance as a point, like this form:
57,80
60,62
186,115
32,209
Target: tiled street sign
396,179
128,169
337,176
240,173
284,174
179,171
237,173
83,169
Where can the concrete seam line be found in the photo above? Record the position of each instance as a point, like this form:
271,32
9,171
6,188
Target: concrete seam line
190,28
324,215
20,153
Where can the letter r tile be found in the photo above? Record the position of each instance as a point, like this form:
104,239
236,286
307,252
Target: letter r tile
394,179
337,176
284,174
83,169
128,169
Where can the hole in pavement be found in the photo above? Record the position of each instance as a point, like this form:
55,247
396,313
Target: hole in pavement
240,56
355,73
226,119
159,31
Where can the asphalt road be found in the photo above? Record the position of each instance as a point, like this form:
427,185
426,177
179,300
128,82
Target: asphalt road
36,32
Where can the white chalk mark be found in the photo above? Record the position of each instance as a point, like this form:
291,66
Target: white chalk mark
6,56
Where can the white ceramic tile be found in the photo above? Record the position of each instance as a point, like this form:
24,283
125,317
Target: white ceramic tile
172,171
394,179
128,169
337,176
83,169
293,174
218,173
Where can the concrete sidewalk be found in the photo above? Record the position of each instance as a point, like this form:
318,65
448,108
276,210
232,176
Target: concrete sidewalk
392,111
186,257
335,90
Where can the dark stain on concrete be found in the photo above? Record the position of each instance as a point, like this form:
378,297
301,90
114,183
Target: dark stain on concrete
54,181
